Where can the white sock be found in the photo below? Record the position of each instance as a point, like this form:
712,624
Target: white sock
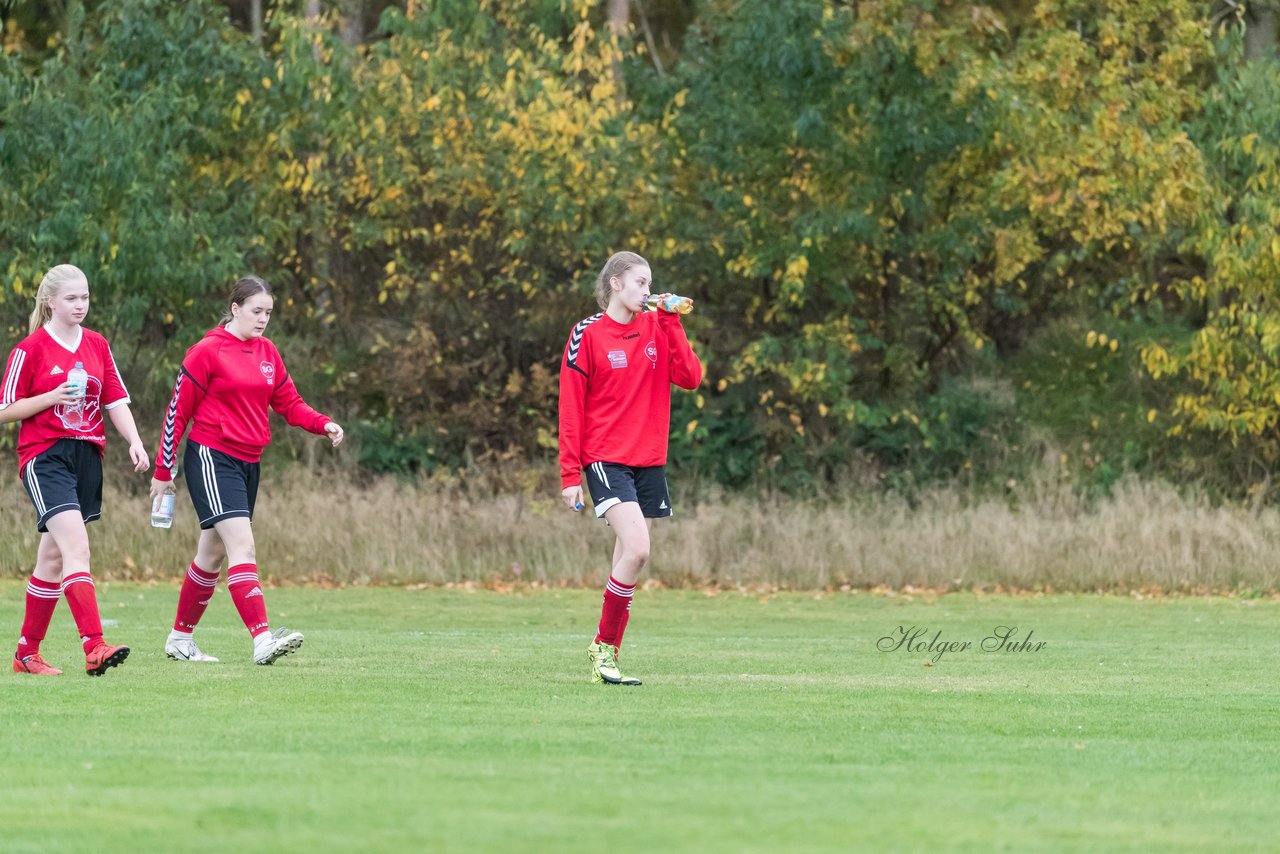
175,635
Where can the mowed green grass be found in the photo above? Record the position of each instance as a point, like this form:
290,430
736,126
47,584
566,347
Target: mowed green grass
446,720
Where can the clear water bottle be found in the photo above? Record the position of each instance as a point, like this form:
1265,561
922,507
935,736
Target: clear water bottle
671,303
79,378
162,510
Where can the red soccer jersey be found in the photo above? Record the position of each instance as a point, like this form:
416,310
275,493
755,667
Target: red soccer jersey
39,364
615,390
225,390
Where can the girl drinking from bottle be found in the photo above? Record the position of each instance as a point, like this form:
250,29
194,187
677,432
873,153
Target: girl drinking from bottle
615,414
229,381
58,382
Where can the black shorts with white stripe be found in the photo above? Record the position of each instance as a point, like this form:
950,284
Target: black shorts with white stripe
221,486
613,483
68,476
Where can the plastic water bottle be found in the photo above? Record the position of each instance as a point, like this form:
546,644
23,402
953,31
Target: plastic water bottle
162,511
672,303
79,378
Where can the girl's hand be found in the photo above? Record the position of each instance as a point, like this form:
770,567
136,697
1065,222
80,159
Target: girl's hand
63,395
572,497
137,453
160,487
334,431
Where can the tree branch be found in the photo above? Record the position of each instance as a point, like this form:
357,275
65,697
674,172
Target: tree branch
648,39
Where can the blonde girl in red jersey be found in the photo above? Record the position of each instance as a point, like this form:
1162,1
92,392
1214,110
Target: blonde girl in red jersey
60,444
615,417
228,383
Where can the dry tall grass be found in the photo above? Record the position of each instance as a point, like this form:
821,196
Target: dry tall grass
319,527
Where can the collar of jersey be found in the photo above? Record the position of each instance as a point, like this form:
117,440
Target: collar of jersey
70,348
634,324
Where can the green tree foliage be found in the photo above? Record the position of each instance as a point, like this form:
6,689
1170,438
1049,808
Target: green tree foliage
866,200
101,150
442,202
809,202
1226,368
894,188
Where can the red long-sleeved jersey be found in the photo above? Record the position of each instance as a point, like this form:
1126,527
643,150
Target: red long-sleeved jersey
40,363
224,390
615,390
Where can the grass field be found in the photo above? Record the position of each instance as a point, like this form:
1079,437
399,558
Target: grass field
448,720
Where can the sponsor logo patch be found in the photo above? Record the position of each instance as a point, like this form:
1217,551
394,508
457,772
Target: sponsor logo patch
618,358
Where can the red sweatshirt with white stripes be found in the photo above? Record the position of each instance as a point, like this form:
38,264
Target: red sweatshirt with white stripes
39,364
225,390
615,390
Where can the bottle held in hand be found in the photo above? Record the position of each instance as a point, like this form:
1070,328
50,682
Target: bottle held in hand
671,303
79,378
162,510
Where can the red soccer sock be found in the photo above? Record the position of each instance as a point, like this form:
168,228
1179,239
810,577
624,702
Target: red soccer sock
626,617
42,598
614,612
82,597
246,592
197,590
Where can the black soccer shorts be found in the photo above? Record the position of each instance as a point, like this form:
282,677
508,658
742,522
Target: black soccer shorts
221,486
68,476
613,483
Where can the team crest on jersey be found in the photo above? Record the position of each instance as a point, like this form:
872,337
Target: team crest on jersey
618,358
85,415
268,371
651,350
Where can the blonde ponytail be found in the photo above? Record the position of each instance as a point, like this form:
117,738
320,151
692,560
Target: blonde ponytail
50,285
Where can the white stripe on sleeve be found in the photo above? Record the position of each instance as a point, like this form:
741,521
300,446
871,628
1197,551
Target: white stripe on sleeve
11,378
